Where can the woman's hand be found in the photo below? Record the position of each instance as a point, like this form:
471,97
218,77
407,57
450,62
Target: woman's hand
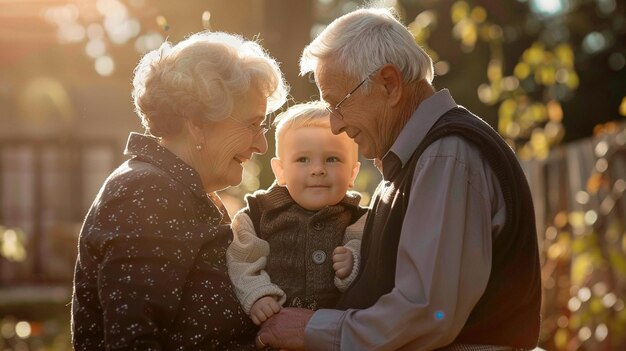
263,308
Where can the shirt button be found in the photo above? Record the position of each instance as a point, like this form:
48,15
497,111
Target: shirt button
318,226
318,256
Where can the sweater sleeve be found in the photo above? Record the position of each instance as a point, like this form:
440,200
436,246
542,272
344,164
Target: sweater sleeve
352,241
247,258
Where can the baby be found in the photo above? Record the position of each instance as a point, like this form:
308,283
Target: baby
297,243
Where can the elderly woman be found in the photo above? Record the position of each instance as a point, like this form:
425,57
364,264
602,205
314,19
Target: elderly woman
151,271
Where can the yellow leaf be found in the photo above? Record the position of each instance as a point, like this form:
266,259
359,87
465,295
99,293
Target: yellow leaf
538,112
504,120
572,80
581,268
618,262
494,70
595,305
512,130
479,15
538,138
469,35
574,322
545,75
534,55
507,108
576,219
459,11
565,55
522,70
526,152
525,118
560,338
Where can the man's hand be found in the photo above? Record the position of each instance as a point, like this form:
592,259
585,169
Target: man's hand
285,330
263,308
342,262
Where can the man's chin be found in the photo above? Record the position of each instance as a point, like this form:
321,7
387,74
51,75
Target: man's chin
367,153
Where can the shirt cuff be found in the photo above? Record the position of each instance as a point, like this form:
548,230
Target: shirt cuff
323,331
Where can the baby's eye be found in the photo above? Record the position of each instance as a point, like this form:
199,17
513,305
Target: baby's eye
333,159
302,159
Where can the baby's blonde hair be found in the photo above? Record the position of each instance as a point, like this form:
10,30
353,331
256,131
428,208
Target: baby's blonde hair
308,114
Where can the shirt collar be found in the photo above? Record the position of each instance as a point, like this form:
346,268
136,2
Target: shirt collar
147,148
413,133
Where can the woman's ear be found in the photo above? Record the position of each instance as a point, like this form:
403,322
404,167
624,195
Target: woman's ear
195,128
279,172
355,172
392,81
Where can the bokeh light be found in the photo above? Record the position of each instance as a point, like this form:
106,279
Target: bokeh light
549,7
104,65
617,61
594,42
23,329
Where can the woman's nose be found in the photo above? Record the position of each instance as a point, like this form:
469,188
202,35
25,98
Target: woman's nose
260,144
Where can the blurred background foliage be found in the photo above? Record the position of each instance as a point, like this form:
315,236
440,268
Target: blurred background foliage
549,75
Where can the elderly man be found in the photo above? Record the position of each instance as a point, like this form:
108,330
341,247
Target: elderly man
449,253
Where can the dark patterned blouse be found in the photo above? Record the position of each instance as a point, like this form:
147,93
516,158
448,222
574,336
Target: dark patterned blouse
151,271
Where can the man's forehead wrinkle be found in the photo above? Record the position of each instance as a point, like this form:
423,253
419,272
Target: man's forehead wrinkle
333,80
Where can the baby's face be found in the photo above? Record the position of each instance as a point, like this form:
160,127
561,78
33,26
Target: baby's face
317,166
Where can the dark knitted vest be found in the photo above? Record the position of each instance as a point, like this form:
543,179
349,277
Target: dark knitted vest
508,311
301,243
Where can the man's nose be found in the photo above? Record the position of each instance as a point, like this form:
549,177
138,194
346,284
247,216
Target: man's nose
337,125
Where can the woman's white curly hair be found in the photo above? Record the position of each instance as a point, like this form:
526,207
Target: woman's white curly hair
201,78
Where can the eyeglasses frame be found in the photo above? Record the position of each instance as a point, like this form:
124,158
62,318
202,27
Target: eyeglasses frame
262,129
334,111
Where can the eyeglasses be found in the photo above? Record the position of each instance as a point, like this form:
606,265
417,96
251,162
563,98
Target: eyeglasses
261,129
334,111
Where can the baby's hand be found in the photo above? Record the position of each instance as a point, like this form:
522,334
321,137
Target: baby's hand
342,262
263,309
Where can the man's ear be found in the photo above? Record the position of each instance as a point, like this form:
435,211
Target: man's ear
393,82
355,172
279,173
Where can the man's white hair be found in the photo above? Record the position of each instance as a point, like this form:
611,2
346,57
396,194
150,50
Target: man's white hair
362,41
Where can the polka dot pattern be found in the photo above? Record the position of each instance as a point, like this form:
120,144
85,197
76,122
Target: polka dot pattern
151,271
